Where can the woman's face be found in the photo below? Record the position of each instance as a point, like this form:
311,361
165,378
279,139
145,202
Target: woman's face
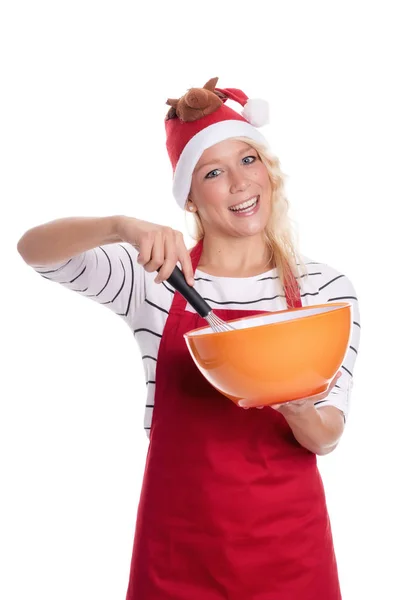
227,174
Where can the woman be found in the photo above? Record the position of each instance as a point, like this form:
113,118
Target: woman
232,504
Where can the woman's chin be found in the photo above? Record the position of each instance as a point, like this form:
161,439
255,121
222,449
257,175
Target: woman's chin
251,227
253,222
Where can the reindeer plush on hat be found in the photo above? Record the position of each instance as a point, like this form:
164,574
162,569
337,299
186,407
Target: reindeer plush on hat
199,102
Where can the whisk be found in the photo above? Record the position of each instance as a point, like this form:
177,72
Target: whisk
178,281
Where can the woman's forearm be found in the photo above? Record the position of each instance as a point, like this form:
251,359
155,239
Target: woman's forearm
62,239
318,430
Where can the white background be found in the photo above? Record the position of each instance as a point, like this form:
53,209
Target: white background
84,86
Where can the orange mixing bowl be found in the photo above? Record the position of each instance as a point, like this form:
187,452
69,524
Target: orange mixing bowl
276,357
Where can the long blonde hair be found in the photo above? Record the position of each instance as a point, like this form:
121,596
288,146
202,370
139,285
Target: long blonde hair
280,233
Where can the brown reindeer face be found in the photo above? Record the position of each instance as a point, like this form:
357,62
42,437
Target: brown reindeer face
196,103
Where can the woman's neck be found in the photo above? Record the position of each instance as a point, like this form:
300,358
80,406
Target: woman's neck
235,257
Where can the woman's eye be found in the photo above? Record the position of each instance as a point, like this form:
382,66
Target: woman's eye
249,159
212,174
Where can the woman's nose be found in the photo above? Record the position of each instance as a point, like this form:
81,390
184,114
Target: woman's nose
238,182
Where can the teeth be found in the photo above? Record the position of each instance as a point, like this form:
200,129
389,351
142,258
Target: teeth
247,204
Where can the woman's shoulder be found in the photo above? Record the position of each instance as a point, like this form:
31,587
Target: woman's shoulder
324,277
312,264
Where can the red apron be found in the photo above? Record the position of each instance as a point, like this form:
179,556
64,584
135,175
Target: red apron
232,507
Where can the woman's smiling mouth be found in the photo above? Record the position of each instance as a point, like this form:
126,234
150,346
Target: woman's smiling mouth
247,208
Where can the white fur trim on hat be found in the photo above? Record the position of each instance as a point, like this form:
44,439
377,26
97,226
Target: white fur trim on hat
256,112
213,134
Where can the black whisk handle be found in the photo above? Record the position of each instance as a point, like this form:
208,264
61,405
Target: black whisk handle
178,281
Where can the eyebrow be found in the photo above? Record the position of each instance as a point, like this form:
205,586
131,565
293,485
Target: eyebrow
217,160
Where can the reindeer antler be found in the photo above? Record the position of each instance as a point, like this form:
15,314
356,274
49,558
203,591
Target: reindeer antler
210,85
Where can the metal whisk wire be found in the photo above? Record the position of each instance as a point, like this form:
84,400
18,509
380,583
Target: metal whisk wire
217,324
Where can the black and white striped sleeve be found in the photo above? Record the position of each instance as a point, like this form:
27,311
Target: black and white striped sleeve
336,287
109,275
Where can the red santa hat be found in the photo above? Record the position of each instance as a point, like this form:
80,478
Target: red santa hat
200,119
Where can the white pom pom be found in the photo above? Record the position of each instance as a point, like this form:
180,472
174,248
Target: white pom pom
256,112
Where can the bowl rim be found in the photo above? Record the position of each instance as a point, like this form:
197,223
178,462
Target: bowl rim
338,306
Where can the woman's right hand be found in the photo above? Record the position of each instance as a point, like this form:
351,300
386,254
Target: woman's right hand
158,246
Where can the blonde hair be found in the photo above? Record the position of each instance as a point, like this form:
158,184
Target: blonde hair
280,234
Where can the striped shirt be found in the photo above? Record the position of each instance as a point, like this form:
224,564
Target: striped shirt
110,275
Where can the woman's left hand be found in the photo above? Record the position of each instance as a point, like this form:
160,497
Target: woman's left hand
296,406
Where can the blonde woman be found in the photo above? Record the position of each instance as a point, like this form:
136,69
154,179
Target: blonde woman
232,504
